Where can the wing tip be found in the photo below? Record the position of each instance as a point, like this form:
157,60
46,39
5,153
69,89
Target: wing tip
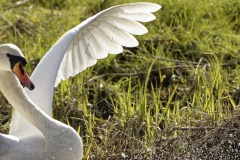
156,7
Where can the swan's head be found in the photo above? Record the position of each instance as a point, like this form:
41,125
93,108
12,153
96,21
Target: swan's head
12,60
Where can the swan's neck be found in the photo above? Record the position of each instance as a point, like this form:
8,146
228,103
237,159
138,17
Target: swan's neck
15,94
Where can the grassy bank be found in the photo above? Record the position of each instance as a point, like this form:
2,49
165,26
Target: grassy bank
176,95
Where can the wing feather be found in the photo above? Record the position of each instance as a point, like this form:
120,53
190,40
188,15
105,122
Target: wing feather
139,7
128,25
105,33
140,17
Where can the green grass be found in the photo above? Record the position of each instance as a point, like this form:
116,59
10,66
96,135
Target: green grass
137,104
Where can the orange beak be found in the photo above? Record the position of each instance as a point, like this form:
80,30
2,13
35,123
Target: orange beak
22,75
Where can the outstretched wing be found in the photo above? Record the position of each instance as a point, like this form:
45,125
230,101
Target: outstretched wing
105,33
79,48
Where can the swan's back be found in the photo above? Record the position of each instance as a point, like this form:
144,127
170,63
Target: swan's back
13,148
32,148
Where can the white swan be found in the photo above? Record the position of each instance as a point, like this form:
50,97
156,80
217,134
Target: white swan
37,135
33,147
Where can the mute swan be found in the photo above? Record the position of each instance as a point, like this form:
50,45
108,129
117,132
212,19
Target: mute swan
12,61
33,133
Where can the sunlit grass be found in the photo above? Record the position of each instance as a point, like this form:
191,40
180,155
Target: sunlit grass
126,103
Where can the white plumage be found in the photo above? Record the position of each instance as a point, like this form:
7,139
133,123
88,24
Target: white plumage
77,49
104,33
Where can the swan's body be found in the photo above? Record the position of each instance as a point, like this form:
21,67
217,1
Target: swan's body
33,133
